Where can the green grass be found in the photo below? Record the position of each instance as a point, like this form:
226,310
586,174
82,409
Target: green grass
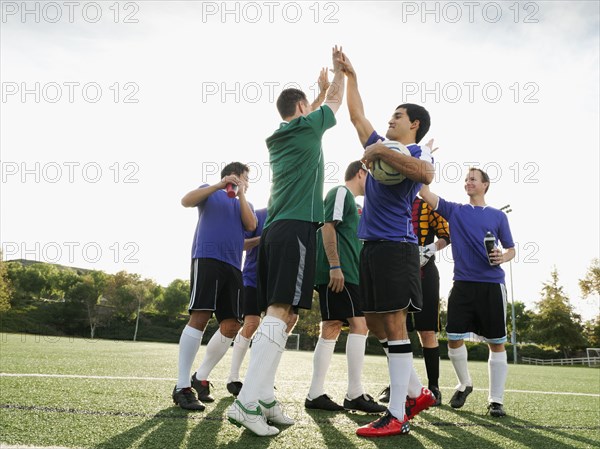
134,409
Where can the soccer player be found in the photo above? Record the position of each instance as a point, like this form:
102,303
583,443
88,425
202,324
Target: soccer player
216,279
286,261
251,312
389,261
338,250
428,224
477,301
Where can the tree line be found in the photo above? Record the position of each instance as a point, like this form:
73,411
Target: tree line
81,302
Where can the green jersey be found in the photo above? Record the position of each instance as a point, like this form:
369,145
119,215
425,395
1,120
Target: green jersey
296,160
340,207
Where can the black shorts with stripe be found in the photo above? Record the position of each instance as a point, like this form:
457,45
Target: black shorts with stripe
478,307
339,306
216,286
390,278
286,264
250,306
428,319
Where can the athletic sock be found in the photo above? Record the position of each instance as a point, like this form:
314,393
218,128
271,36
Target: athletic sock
432,365
414,384
458,357
355,356
497,369
240,347
189,343
269,338
384,345
321,361
400,363
267,389
215,350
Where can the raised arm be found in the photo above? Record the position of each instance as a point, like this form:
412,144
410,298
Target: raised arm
196,196
249,220
335,93
323,83
355,104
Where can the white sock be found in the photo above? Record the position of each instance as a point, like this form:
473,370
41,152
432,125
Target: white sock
321,361
355,356
384,345
240,347
267,389
189,343
497,369
414,384
269,338
215,350
458,357
400,366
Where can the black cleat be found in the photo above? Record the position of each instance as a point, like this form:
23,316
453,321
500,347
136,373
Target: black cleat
364,403
202,387
438,396
384,396
323,402
186,399
496,410
459,397
234,387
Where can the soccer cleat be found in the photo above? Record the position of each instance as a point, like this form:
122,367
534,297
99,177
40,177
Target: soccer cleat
363,403
438,395
322,402
202,387
234,387
252,420
385,426
496,410
422,402
459,397
384,396
275,414
186,399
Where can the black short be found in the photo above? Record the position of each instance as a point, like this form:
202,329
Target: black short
339,306
250,302
390,278
286,264
216,286
478,307
428,319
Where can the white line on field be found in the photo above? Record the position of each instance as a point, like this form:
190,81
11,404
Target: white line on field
82,376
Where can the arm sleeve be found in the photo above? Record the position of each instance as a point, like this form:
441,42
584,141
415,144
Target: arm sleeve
505,236
321,120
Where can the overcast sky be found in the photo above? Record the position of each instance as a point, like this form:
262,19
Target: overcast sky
111,112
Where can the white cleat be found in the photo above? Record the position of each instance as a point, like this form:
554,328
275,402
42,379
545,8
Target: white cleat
252,420
275,414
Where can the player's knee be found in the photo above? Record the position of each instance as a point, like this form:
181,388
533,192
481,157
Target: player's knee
229,328
428,339
330,330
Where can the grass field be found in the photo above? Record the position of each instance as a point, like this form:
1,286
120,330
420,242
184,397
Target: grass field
107,394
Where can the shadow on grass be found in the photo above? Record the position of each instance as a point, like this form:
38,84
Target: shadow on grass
404,441
165,429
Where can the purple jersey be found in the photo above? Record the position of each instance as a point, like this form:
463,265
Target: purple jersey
387,211
249,271
219,232
468,226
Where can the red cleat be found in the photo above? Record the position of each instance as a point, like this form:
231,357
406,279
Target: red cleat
416,405
385,426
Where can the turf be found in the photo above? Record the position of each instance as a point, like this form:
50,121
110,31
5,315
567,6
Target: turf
110,395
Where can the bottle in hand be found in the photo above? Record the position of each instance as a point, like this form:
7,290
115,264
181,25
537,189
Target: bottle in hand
490,243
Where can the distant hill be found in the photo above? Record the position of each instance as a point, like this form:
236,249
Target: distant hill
27,262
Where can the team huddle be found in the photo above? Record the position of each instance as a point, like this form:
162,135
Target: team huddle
373,268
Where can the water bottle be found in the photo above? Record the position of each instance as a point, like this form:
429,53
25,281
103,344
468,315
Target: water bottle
490,243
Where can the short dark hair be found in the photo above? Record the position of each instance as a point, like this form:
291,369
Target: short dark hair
353,170
416,112
484,176
288,98
237,168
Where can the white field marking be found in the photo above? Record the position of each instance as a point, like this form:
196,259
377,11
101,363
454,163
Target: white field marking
81,376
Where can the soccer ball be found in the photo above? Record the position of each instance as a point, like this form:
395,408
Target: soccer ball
384,173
